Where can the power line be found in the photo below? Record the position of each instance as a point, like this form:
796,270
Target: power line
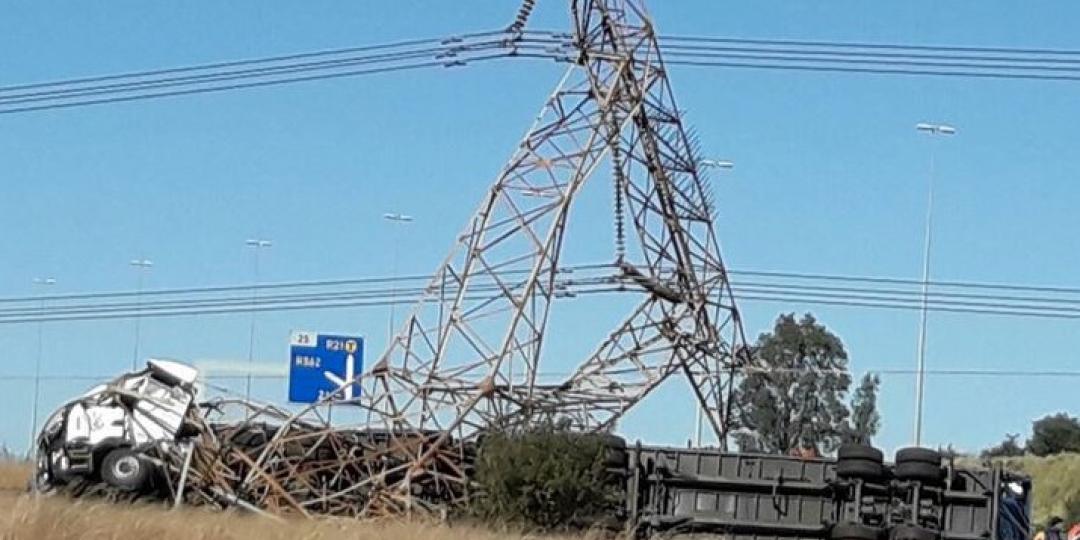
566,270
875,71
369,300
885,305
475,287
808,288
248,308
173,93
114,88
188,80
905,281
442,53
218,65
866,45
697,51
803,57
826,54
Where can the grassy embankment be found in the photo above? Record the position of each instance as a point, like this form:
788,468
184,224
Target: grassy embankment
1056,481
24,517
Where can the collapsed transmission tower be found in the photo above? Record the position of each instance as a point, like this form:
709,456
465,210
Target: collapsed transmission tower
467,358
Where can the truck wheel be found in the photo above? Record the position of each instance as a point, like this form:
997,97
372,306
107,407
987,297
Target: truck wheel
125,469
42,481
926,473
919,464
910,532
616,455
859,461
916,454
854,531
858,468
859,451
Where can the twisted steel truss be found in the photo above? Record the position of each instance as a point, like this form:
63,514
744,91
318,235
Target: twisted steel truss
467,358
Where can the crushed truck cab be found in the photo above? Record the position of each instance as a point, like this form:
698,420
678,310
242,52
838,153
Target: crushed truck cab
103,435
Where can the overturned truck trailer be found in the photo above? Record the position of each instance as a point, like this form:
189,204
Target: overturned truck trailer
852,497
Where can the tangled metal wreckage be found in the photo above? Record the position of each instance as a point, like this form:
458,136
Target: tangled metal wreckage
468,357
141,434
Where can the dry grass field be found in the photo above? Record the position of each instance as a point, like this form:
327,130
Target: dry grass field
24,517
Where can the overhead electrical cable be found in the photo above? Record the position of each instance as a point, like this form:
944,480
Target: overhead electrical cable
247,300
871,45
566,270
255,73
218,65
1050,304
695,51
1041,306
239,308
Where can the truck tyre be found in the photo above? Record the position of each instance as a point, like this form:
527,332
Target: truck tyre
859,451
43,480
859,461
919,455
927,473
616,455
859,468
125,469
854,531
911,532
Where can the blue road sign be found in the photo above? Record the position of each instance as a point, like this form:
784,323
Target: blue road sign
319,365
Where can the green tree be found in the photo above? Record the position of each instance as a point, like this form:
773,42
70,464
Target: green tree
796,398
1010,447
865,418
1054,434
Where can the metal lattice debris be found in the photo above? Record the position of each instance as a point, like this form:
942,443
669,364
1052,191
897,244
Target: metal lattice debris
468,357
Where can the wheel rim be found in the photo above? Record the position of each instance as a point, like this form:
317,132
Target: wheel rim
126,467
42,466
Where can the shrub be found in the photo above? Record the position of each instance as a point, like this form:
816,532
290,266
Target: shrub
547,478
1010,447
1055,434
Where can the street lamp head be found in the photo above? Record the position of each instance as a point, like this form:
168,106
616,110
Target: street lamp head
45,281
142,263
717,163
397,217
258,243
935,129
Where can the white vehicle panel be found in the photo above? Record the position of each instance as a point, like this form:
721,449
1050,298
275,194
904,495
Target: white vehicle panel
159,412
181,373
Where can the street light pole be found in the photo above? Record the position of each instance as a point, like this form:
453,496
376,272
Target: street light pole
256,244
920,369
141,266
39,284
396,219
722,165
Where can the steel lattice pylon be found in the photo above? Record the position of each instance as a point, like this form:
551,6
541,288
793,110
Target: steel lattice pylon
468,356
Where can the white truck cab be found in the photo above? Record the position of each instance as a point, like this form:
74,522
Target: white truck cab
102,434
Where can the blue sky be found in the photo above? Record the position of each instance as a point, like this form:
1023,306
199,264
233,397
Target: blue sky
830,178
